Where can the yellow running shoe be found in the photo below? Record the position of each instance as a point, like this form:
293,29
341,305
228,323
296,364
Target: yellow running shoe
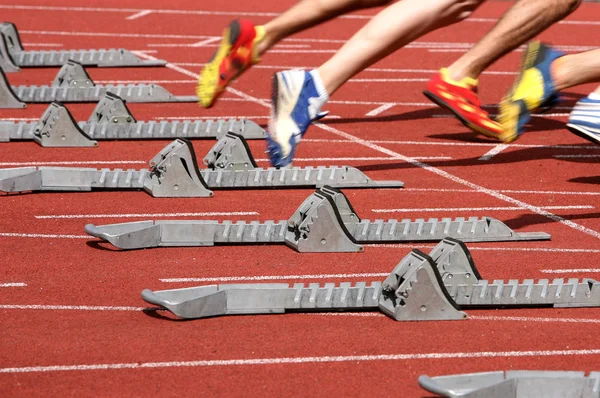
534,89
237,52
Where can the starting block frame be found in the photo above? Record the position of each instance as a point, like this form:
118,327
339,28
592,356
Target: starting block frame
324,222
515,384
112,120
419,288
13,55
174,172
73,84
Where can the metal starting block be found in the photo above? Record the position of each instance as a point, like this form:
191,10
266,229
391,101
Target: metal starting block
324,222
418,289
174,173
112,120
13,56
73,84
515,384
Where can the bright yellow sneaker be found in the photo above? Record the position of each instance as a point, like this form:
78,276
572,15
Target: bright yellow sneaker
533,90
237,52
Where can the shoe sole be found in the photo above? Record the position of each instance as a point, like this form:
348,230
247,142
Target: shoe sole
440,102
584,133
208,83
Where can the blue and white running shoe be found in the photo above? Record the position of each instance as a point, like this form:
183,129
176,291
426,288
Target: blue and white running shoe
585,119
297,97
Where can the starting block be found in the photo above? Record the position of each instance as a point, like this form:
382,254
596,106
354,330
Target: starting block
515,384
73,84
13,56
174,172
416,290
325,222
112,120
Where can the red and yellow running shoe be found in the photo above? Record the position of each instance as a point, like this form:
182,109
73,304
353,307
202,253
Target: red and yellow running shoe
460,98
237,52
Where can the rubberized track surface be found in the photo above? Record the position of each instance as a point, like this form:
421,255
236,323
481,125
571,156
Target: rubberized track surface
72,319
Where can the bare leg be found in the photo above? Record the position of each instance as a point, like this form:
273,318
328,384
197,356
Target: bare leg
391,29
309,13
524,20
573,70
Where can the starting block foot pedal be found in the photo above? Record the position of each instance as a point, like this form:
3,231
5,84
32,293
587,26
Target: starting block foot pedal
6,62
57,128
319,226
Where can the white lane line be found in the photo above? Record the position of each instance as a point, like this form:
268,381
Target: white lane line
19,119
42,45
69,307
13,284
145,81
225,13
348,159
451,143
475,248
305,360
73,162
327,314
46,236
461,181
532,319
495,318
380,246
379,110
494,151
577,156
516,208
570,271
376,70
406,80
138,14
494,20
505,191
204,42
415,162
209,117
209,43
273,277
407,104
112,34
110,162
204,214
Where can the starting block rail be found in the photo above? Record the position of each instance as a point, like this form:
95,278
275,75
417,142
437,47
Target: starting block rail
13,56
325,222
73,84
174,173
112,120
414,291
515,384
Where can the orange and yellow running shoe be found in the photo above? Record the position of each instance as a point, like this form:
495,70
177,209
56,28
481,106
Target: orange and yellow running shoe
237,52
460,98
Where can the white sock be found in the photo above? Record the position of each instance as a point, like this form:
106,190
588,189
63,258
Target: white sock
594,96
319,85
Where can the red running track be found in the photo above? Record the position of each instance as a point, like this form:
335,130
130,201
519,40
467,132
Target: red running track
75,325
